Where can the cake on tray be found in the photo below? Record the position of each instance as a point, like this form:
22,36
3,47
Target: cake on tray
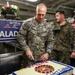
46,68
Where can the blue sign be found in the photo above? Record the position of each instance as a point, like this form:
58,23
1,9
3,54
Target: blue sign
9,29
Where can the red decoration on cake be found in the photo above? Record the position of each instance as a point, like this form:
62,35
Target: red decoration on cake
44,69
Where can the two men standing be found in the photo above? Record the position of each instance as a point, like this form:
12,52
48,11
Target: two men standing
38,42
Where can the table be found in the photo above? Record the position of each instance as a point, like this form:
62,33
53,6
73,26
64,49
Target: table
74,70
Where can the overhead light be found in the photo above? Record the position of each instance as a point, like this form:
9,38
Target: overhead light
32,0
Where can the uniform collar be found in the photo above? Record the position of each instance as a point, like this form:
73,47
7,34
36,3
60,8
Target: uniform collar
38,22
57,26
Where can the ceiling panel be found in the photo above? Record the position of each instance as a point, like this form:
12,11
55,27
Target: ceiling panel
52,5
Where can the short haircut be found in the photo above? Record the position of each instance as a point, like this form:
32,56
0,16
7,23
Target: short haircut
40,5
60,11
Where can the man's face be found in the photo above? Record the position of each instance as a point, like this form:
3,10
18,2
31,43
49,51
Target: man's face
40,14
58,17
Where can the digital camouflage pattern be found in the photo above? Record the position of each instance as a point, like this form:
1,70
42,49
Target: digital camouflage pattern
37,37
64,37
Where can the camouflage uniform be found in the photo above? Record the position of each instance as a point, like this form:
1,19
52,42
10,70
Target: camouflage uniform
36,37
64,37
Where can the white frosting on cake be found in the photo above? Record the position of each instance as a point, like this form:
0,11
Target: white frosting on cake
59,69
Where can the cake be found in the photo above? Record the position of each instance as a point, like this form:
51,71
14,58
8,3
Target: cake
46,68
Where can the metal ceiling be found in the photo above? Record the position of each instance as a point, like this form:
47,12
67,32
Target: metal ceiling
28,8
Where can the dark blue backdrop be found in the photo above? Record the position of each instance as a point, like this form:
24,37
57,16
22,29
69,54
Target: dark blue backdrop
9,29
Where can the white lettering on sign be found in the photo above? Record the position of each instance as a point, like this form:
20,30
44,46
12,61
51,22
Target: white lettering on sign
8,34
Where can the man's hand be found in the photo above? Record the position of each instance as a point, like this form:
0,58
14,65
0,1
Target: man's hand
29,54
44,56
73,55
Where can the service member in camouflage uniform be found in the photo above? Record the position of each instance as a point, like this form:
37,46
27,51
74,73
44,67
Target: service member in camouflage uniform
35,37
64,36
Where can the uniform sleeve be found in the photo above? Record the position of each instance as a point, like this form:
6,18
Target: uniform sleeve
72,35
50,41
21,37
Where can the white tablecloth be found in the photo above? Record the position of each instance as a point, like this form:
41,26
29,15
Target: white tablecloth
74,71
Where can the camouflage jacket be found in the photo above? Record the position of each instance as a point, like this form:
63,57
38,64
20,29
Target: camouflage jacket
37,37
64,37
